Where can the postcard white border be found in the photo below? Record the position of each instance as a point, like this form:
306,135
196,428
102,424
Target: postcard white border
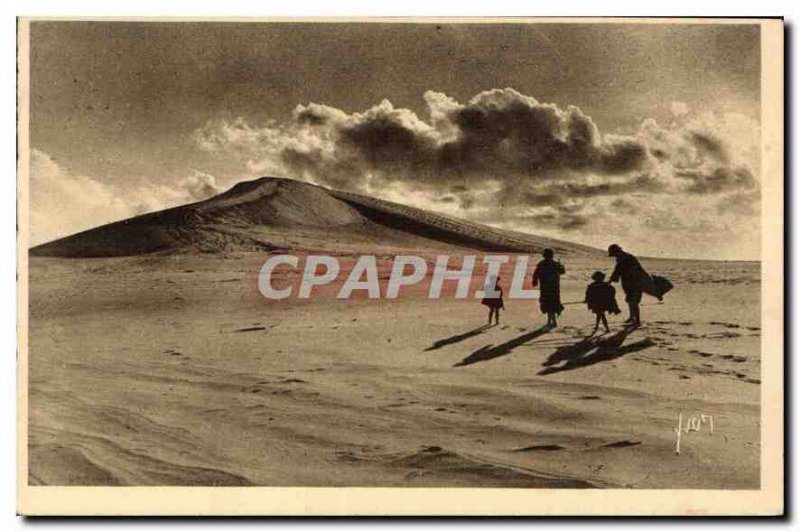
38,500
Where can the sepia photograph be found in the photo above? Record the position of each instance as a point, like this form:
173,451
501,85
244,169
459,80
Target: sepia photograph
541,259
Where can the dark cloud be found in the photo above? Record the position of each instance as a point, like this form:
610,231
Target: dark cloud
538,163
499,135
710,144
624,156
532,198
538,153
559,193
503,132
386,144
671,220
563,221
571,208
720,179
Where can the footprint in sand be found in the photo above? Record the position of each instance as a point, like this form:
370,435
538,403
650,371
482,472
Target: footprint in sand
250,329
726,325
623,443
724,334
555,447
431,449
540,448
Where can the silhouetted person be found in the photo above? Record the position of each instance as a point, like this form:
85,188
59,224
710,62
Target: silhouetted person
630,272
494,303
601,298
547,275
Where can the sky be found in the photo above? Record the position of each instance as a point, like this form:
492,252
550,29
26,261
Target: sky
643,135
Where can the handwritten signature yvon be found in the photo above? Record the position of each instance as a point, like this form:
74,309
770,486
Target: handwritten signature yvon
693,424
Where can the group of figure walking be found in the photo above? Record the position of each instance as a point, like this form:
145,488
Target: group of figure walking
600,295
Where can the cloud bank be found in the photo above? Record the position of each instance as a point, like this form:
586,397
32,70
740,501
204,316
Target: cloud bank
63,203
507,159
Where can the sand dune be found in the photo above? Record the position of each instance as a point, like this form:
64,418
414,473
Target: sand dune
273,213
154,360
172,370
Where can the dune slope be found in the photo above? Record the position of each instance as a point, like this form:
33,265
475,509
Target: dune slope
272,213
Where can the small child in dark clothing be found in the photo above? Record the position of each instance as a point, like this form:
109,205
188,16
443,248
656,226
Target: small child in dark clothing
494,303
600,298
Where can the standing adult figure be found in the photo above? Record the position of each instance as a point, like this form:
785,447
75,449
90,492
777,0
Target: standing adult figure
547,276
633,276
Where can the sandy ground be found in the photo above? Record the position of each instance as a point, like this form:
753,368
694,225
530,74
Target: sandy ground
173,371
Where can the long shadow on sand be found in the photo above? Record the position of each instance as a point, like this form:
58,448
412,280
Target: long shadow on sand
593,350
438,344
489,352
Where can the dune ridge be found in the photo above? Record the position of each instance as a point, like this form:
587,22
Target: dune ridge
277,213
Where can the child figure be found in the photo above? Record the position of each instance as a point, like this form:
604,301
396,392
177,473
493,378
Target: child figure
494,303
600,298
